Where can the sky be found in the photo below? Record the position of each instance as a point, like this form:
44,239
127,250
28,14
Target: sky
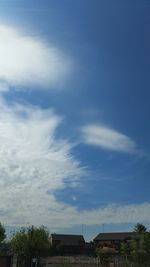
74,115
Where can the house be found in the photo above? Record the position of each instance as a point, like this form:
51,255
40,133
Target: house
68,244
114,240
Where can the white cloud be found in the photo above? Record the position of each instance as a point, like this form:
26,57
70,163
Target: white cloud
107,138
30,166
28,61
114,214
4,86
32,162
61,215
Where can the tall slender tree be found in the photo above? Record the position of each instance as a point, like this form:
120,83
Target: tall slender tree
140,228
2,233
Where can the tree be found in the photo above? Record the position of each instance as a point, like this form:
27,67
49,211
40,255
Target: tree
2,237
140,250
30,243
137,251
140,228
103,255
124,250
2,233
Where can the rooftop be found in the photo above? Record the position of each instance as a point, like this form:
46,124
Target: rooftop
115,236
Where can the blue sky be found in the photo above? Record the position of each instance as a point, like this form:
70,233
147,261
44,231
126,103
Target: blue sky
74,114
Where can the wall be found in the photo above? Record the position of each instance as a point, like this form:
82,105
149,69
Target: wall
5,261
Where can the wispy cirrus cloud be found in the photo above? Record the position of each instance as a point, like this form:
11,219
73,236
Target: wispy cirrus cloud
110,214
34,163
26,60
107,138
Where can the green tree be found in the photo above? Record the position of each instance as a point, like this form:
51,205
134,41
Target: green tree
137,252
102,256
2,237
124,250
30,243
2,233
140,228
140,250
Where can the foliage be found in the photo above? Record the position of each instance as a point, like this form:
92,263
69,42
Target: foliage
141,250
140,228
102,256
138,250
124,250
2,233
30,243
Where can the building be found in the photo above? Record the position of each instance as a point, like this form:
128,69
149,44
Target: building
68,244
114,240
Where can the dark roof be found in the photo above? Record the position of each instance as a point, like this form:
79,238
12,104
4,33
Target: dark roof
115,236
68,240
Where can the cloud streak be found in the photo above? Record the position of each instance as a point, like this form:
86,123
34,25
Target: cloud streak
33,162
107,138
28,61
